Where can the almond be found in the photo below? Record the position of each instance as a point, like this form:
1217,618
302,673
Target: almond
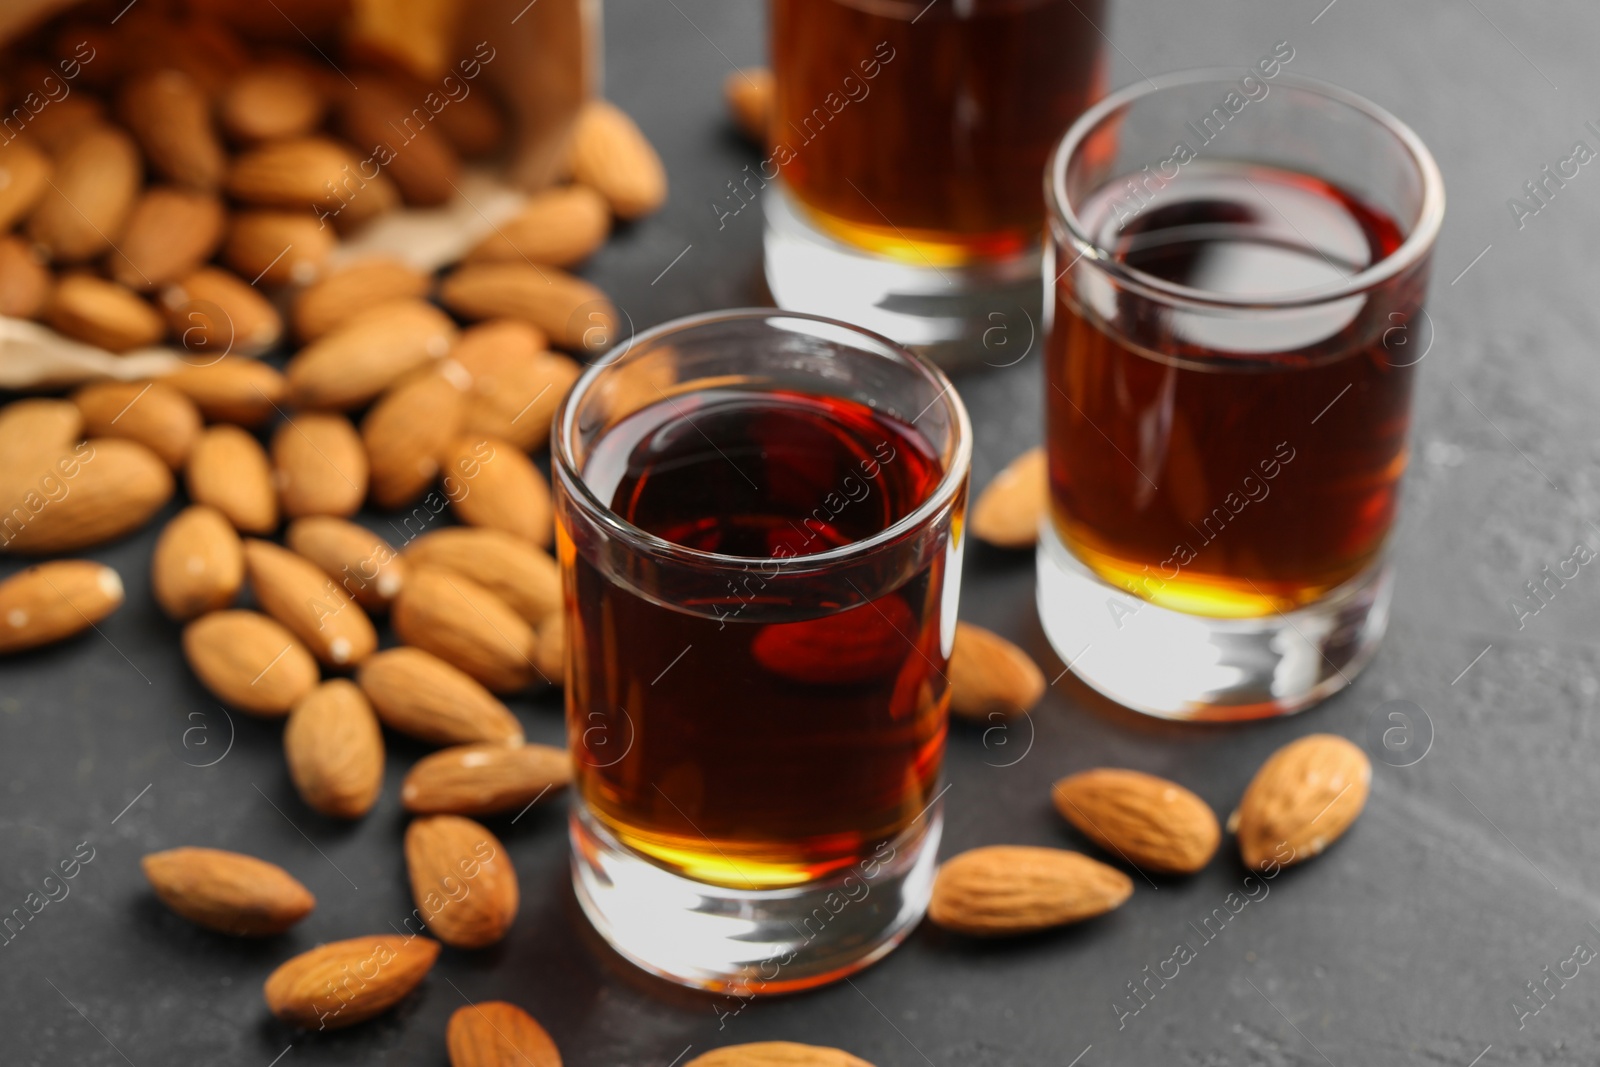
550,654
612,156
750,93
169,233
474,125
420,695
227,891
990,676
169,113
269,103
484,779
239,391
106,488
1302,800
95,184
492,1033
519,573
278,247
464,624
776,1054
461,879
57,127
346,293
34,434
24,176
213,313
228,469
1016,889
297,173
1011,507
369,353
496,485
53,601
298,594
249,661
198,564
25,283
346,982
335,750
1150,822
574,314
98,312
320,464
419,159
407,431
557,228
516,385
155,415
362,563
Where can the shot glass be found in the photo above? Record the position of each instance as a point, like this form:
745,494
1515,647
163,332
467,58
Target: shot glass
1236,272
759,521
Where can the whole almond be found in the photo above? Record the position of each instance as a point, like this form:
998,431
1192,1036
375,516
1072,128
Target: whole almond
612,156
151,413
420,160
94,187
527,578
103,313
484,779
1303,799
464,624
990,676
516,385
169,113
461,879
298,594
240,391
24,176
408,430
170,232
362,563
107,488
422,696
343,294
52,601
492,483
228,469
492,1033
198,564
1011,507
1150,822
34,434
57,127
346,982
550,654
270,102
278,247
1016,889
474,125
321,465
300,172
25,283
776,1054
213,313
227,891
335,750
749,93
574,314
249,661
558,228
369,353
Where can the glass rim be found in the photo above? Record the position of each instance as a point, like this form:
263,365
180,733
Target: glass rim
1417,244
564,428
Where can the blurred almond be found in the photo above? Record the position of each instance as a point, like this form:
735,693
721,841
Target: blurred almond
408,430
550,654
492,1033
249,661
169,113
1003,890
574,314
421,161
335,750
343,294
1302,800
300,172
516,385
198,564
776,1054
278,247
1150,822
612,156
422,696
319,990
484,779
24,176
25,283
228,469
1011,507
56,128
558,228
52,601
526,577
107,488
94,187
464,624
320,464
34,433
151,413
270,102
749,93
496,485
240,391
103,313
170,232
990,676
228,891
362,563
213,313
298,594
445,853
367,354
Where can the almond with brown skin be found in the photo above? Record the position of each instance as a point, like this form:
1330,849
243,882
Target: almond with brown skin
170,232
151,413
776,1054
749,93
299,173
464,624
335,750
558,228
574,314
422,696
103,313
484,779
492,1033
347,982
550,654
461,879
612,156
24,176
1150,822
496,485
1302,800
320,464
228,469
25,283
422,162
343,294
52,601
270,102
358,560
240,391
213,313
1003,890
198,564
408,430
111,488
298,594
278,247
57,127
991,677
169,113
34,435
1011,507
516,385
369,353
227,891
249,662
94,187
526,577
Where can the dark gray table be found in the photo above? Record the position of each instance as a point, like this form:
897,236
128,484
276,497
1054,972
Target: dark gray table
1410,942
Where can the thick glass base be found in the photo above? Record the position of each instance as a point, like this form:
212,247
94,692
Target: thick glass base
1181,666
960,316
749,943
